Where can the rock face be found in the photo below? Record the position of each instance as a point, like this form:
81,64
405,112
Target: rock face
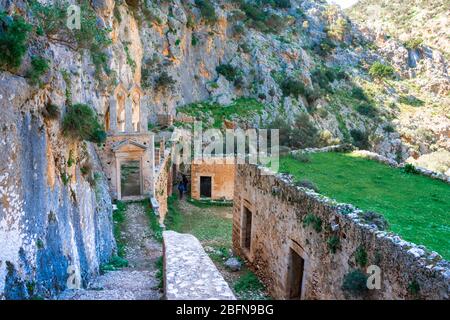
51,233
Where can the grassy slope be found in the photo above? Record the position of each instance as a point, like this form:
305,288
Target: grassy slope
417,207
241,108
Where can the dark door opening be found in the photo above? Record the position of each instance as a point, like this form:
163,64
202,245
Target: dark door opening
130,178
205,187
247,228
295,275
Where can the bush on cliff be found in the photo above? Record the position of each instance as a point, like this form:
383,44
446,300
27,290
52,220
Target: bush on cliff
207,11
355,282
81,122
14,33
379,70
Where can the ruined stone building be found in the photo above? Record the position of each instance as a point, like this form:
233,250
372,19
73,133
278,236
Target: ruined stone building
213,178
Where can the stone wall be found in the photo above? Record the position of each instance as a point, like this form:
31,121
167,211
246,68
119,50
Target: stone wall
189,274
221,171
277,230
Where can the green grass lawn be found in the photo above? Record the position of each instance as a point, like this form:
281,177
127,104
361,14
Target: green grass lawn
416,207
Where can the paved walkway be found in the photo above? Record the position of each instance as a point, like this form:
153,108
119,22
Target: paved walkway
136,282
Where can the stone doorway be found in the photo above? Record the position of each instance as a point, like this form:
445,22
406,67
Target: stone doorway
296,270
130,178
205,187
247,229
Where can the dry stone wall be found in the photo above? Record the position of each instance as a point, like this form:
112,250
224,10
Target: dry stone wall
278,210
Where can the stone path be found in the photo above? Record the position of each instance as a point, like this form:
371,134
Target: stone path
136,282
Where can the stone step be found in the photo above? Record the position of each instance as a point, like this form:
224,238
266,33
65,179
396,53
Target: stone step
118,285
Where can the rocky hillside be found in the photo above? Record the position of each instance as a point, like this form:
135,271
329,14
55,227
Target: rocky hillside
301,66
413,22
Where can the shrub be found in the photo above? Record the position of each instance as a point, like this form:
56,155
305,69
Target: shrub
292,87
115,263
39,66
414,288
194,40
360,139
304,133
228,71
367,109
314,221
361,256
51,111
355,282
284,130
164,81
282,4
379,70
81,122
86,169
14,33
260,19
324,48
323,76
358,93
207,11
413,43
333,243
410,169
307,184
389,128
238,29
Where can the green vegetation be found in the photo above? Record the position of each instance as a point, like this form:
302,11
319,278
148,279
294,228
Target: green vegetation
301,134
13,40
247,284
260,19
361,256
39,66
360,138
228,71
164,81
209,228
118,220
241,108
117,261
51,19
379,70
51,111
413,43
81,122
355,282
414,288
292,87
409,168
154,222
314,221
415,206
207,11
159,264
324,75
333,243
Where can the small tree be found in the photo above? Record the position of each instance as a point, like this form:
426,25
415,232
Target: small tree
228,71
355,282
379,70
292,87
81,122
14,33
207,11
